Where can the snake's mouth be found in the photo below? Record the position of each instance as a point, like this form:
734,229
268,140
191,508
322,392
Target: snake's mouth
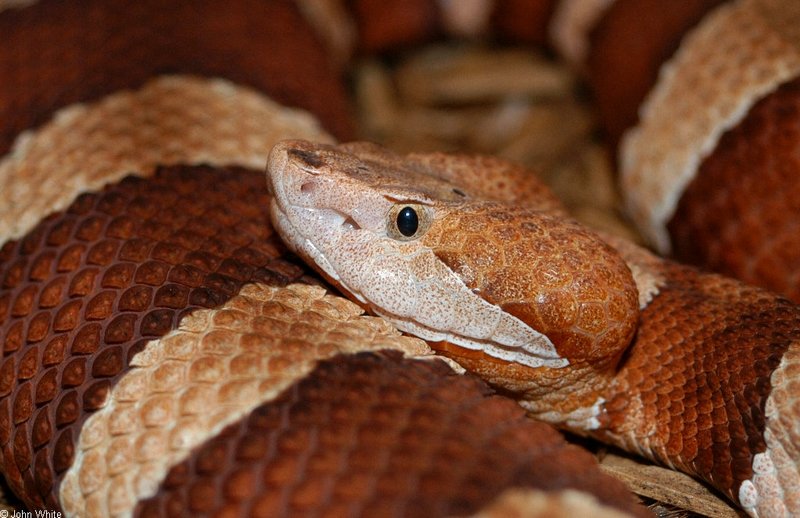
498,351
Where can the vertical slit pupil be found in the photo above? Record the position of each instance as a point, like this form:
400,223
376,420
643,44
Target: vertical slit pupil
407,221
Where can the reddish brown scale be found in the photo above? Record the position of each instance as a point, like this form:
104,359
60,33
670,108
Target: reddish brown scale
523,21
628,46
535,267
56,53
388,26
377,435
700,369
385,25
739,214
487,178
88,287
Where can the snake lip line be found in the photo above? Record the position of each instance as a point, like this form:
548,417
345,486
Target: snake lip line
498,350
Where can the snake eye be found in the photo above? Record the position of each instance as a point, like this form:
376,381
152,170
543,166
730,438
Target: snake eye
406,222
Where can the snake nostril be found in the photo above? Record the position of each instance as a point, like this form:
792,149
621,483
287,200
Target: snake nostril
308,187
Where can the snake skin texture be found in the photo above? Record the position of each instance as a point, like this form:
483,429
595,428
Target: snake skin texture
758,160
387,445
125,131
147,307
164,354
526,281
712,81
87,288
59,53
702,385
717,73
86,291
621,74
702,363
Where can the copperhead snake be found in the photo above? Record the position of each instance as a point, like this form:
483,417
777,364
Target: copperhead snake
165,354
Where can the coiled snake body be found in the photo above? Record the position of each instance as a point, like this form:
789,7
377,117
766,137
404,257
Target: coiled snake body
164,353
564,340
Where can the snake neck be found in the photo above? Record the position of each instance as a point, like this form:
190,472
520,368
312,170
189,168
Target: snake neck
569,398
699,388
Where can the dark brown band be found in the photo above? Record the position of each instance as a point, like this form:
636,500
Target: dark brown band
56,53
376,435
88,287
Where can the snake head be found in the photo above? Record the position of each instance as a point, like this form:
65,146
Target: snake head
519,285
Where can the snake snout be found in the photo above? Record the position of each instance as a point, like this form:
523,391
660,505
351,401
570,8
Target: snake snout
294,172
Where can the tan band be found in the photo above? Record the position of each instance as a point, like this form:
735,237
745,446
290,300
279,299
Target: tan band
170,120
736,56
